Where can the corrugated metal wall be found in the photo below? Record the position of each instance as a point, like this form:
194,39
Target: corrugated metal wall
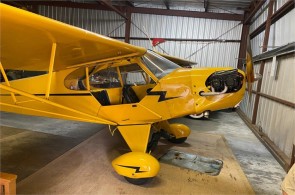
111,24
103,22
276,120
209,53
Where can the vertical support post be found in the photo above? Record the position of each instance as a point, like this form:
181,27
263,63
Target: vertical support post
292,157
87,78
128,26
243,45
261,70
6,81
50,71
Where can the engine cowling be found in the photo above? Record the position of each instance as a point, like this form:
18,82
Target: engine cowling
219,80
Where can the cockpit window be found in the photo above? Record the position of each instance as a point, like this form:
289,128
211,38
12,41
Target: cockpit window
134,75
106,78
158,65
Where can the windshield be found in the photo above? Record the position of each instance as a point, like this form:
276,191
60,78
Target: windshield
158,65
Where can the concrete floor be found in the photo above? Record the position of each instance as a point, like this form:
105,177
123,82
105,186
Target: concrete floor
23,152
29,143
261,168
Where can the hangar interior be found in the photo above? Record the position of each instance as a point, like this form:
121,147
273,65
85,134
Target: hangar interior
260,133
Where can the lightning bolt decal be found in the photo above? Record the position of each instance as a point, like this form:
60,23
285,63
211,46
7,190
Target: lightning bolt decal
162,95
132,167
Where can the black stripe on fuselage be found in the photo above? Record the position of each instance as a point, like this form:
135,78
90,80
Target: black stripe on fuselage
162,95
55,94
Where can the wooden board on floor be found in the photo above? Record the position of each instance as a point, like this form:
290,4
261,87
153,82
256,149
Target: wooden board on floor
87,169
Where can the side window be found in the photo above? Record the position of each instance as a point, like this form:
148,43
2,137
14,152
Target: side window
133,75
106,78
75,80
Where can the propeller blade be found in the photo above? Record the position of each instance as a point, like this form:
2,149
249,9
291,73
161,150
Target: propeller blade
249,68
249,63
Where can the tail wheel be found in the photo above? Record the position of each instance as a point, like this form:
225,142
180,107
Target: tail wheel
177,141
140,181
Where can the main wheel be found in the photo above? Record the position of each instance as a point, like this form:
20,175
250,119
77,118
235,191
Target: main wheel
196,116
139,181
177,141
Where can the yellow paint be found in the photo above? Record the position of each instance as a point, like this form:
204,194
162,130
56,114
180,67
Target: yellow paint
87,78
6,81
78,53
176,129
136,136
76,47
50,71
136,165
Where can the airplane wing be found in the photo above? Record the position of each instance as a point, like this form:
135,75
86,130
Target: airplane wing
179,61
27,39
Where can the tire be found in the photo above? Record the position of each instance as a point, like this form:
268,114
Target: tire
196,116
140,181
177,141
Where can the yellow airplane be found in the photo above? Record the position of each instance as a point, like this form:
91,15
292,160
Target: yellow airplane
66,72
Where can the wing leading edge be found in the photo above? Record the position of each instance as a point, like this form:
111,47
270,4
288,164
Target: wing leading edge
27,39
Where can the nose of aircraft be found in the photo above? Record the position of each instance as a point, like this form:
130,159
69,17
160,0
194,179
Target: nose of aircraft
217,88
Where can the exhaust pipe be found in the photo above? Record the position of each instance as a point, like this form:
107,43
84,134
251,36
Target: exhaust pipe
202,93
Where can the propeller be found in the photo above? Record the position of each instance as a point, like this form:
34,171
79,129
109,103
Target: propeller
251,77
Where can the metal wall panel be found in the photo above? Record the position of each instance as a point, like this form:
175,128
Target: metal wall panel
277,122
256,44
213,55
283,31
183,27
279,4
280,84
259,17
247,105
98,21
209,53
261,14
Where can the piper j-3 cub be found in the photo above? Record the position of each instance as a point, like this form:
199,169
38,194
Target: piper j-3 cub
56,70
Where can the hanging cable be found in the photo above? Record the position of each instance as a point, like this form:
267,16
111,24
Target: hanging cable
213,41
115,29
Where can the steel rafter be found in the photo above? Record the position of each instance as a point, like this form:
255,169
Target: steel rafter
182,13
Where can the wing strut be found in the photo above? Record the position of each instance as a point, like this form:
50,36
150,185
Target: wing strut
87,78
7,82
51,64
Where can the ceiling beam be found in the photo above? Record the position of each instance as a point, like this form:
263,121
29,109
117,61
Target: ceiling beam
129,3
206,5
192,14
288,6
109,5
68,4
166,3
257,6
183,40
182,13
